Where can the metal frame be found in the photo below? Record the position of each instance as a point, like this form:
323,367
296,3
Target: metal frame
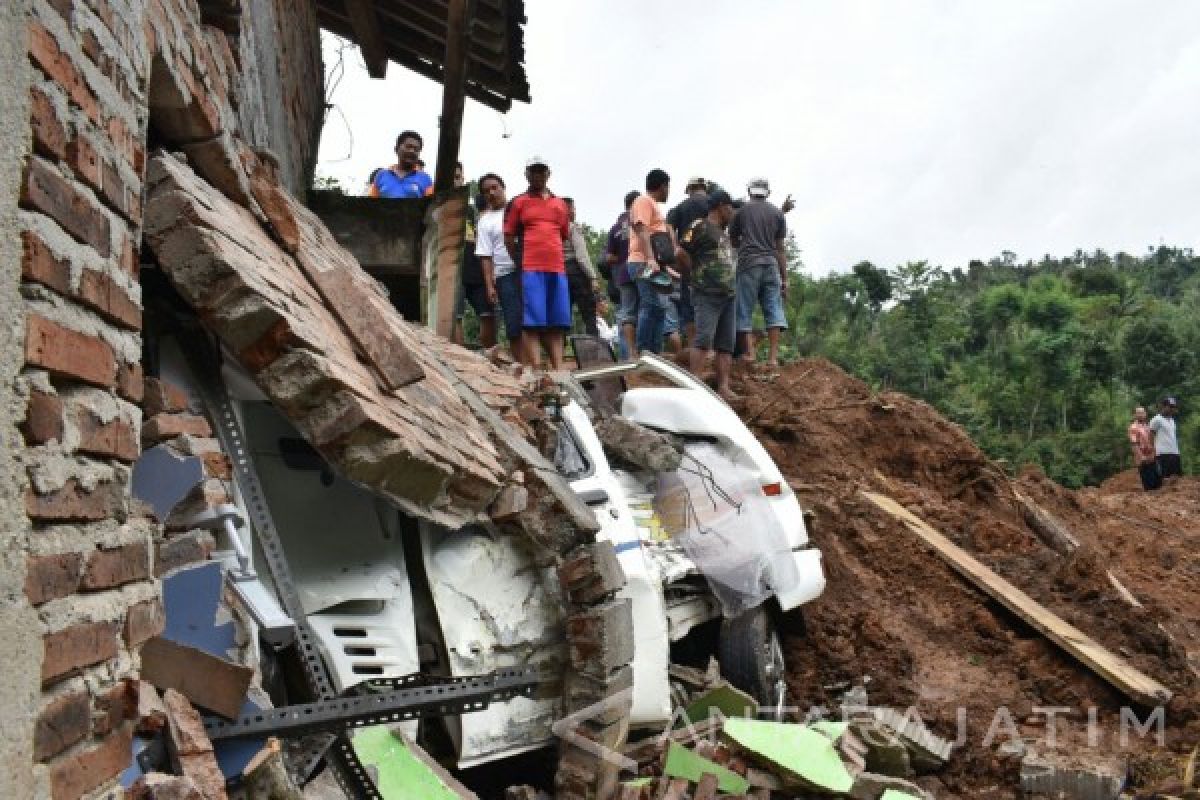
382,702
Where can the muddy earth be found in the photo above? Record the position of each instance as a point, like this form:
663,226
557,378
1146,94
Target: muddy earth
898,620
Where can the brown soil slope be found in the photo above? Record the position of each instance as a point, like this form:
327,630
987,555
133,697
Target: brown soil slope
896,616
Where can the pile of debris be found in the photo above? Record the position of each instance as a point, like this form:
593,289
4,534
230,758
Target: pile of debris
904,617
194,773
723,745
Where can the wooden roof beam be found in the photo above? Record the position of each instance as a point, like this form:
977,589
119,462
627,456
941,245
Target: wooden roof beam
365,25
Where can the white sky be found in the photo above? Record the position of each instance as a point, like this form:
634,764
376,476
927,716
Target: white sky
905,129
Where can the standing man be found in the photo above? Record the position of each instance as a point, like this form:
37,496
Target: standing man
707,256
758,233
1141,439
537,222
680,218
653,280
405,178
582,283
1166,440
616,254
471,286
500,278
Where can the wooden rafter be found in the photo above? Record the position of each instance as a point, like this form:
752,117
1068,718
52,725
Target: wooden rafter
365,25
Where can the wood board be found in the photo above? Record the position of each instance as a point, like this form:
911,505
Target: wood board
1116,671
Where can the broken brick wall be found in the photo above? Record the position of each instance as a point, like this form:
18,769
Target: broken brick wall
92,84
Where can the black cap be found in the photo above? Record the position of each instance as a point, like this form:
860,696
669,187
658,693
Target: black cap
719,198
1170,401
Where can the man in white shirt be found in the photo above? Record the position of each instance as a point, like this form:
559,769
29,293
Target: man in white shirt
1166,440
500,277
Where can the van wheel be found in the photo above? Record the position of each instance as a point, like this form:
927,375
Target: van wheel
751,656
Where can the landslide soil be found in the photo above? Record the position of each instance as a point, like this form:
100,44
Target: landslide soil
897,619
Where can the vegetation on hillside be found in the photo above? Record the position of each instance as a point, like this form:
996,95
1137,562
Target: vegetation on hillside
1041,362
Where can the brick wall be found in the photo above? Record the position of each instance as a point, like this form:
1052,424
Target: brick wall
102,74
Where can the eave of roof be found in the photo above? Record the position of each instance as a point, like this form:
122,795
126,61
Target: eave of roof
413,34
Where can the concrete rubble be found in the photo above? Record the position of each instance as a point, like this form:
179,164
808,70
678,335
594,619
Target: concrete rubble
716,744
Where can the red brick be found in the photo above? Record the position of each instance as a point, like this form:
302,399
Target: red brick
185,726
43,418
149,711
85,161
129,381
49,134
124,140
181,550
69,353
168,426
93,50
164,396
102,293
82,772
217,465
47,56
114,707
116,566
119,196
115,438
188,745
47,191
73,503
128,257
40,264
62,722
65,8
50,577
137,156
143,621
78,646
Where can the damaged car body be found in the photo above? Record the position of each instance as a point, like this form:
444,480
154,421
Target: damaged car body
388,595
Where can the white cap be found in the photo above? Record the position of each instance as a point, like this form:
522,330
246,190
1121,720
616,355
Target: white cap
536,161
758,187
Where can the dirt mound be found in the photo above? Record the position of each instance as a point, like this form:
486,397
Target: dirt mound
897,617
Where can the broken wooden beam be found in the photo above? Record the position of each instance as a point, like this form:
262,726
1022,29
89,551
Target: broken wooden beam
1049,528
1119,673
366,29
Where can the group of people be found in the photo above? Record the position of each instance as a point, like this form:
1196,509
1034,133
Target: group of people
1156,444
684,279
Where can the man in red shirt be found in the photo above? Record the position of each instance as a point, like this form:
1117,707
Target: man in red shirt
1141,439
535,226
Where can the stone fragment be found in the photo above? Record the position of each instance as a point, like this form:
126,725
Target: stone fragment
639,446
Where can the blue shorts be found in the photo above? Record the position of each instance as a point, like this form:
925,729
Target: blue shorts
760,284
508,291
547,300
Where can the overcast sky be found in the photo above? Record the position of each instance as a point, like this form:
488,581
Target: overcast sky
904,129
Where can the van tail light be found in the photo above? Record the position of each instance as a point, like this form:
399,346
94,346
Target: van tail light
772,489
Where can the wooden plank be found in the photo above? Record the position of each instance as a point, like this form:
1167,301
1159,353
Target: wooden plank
210,682
365,25
1118,672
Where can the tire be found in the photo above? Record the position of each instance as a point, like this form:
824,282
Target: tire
750,652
